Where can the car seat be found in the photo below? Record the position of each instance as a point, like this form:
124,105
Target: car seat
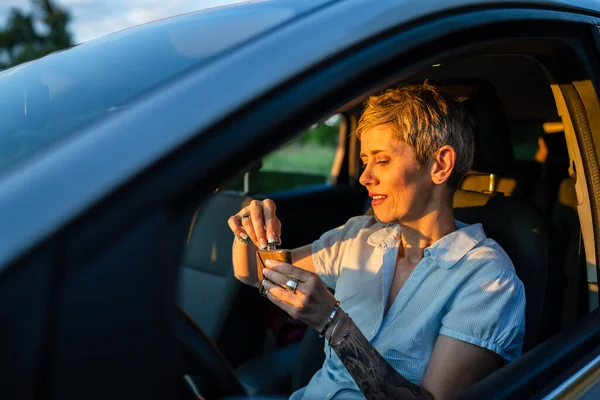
517,225
207,286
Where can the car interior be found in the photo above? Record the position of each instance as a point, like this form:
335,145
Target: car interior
521,188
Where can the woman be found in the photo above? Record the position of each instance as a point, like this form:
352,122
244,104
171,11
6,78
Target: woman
427,305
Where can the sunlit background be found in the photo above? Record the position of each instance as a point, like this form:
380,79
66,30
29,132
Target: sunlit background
94,18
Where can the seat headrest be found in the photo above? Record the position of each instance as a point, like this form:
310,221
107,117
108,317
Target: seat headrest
493,146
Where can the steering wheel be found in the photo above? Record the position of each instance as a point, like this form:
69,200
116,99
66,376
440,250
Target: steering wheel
203,359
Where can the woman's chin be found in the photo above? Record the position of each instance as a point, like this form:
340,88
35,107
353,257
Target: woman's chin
388,217
383,219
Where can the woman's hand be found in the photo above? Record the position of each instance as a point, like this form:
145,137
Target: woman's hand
311,302
257,222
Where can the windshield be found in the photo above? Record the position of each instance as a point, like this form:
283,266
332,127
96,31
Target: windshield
45,100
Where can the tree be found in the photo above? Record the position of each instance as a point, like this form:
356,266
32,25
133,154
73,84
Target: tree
20,41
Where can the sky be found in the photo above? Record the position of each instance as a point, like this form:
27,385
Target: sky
91,19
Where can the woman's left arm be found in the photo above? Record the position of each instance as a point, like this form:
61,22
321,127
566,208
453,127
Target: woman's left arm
454,364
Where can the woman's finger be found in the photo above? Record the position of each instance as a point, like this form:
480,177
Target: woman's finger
278,278
258,222
283,295
278,232
288,308
289,270
236,227
271,222
249,228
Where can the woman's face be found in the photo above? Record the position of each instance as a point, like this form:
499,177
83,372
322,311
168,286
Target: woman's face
400,190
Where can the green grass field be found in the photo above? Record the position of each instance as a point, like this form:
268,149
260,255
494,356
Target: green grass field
305,159
290,167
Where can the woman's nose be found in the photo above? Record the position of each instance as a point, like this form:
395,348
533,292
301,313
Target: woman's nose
367,177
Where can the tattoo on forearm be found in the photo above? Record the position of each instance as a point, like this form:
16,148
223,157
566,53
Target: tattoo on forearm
372,373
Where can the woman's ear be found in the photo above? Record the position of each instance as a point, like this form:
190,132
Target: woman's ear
443,164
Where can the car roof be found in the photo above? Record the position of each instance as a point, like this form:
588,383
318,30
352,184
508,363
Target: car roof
412,8
428,6
232,14
237,15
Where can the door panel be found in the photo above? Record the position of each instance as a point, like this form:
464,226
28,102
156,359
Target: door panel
112,320
25,293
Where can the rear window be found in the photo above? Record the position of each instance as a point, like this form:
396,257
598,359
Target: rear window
44,100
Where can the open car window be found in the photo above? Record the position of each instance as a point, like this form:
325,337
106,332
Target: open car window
309,159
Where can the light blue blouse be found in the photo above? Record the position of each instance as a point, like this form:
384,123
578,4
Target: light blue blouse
465,287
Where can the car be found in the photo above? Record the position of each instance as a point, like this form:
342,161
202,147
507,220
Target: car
121,160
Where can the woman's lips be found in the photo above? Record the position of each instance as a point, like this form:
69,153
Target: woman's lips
377,200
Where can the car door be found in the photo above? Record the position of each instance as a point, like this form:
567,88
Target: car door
100,284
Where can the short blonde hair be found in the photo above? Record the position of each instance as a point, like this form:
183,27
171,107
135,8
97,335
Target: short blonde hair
426,118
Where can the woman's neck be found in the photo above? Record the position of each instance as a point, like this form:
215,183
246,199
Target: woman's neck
417,235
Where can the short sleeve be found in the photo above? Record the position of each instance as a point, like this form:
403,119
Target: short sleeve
489,312
328,250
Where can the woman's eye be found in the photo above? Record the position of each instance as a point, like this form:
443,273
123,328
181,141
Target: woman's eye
363,165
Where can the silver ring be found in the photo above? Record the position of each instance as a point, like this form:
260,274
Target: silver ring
291,285
244,215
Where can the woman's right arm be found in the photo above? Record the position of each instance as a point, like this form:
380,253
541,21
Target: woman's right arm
260,224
